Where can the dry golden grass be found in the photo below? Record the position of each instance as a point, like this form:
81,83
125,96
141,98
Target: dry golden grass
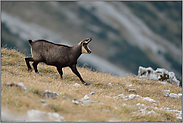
14,70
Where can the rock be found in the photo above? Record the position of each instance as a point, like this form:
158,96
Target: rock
173,95
43,101
179,115
30,116
50,94
156,108
115,97
106,110
149,99
151,112
131,96
124,104
180,95
75,101
121,96
167,109
86,97
45,104
132,90
146,73
177,112
84,101
76,85
113,120
22,86
138,104
143,111
18,85
36,115
166,93
160,74
165,83
110,84
141,105
138,97
129,85
92,93
107,96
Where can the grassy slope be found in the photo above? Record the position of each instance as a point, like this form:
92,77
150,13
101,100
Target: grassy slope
14,70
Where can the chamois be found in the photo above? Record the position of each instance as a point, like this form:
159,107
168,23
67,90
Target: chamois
57,55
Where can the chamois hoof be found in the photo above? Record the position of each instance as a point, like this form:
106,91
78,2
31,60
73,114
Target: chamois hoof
38,73
30,70
87,84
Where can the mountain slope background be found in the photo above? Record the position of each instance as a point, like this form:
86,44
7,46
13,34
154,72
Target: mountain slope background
125,35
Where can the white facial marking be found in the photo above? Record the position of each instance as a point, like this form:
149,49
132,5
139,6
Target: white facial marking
84,50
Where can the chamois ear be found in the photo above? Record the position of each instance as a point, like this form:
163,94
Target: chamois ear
85,40
89,40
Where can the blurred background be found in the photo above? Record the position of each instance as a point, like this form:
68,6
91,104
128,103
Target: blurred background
125,35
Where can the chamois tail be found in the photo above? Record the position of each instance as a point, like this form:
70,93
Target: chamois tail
30,41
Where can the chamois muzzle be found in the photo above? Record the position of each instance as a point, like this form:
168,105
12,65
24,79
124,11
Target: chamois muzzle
87,48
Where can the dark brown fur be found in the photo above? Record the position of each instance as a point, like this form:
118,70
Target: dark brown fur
57,55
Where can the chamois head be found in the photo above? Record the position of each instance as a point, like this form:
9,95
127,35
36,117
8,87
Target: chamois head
85,48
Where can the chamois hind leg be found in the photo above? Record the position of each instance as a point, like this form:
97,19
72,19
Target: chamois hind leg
59,69
27,62
74,70
35,66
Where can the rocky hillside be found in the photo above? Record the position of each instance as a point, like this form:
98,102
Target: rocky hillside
125,34
31,97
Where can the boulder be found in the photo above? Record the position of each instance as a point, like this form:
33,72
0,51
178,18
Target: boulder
173,95
149,99
76,85
131,96
17,85
36,115
83,101
160,74
50,94
166,93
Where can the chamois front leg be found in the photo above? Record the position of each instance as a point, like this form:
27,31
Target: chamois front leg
59,69
74,70
34,64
